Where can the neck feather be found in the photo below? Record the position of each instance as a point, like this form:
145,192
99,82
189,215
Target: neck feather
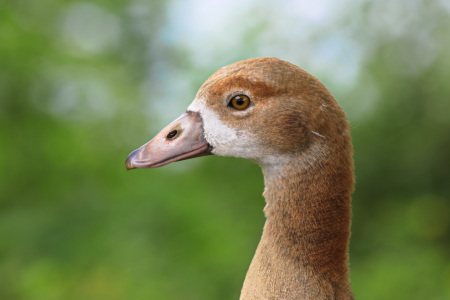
303,251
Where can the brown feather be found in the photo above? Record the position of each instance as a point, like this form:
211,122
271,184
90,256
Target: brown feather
303,250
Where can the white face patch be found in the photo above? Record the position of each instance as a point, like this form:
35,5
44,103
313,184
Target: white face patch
225,140
196,105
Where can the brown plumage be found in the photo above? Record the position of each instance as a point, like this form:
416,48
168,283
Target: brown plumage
295,130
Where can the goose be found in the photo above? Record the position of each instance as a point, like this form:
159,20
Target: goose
279,116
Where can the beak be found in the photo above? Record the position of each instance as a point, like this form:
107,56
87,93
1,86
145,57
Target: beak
181,139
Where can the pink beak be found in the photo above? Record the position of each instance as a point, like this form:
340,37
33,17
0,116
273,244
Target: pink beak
181,139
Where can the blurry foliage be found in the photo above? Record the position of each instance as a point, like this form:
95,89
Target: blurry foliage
83,83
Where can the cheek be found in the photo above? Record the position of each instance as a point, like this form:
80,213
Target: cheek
255,137
284,132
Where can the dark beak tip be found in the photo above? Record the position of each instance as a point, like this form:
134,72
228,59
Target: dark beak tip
128,167
129,162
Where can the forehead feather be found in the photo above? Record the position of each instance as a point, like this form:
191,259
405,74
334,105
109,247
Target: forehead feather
261,77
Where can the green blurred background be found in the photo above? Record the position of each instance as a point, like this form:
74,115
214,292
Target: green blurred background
83,83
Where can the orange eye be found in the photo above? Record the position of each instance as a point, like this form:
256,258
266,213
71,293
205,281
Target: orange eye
239,102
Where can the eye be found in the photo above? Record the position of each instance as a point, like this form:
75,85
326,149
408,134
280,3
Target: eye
239,102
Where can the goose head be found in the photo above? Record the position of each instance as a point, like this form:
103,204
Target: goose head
265,109
275,114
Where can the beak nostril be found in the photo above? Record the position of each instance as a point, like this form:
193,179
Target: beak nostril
172,134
